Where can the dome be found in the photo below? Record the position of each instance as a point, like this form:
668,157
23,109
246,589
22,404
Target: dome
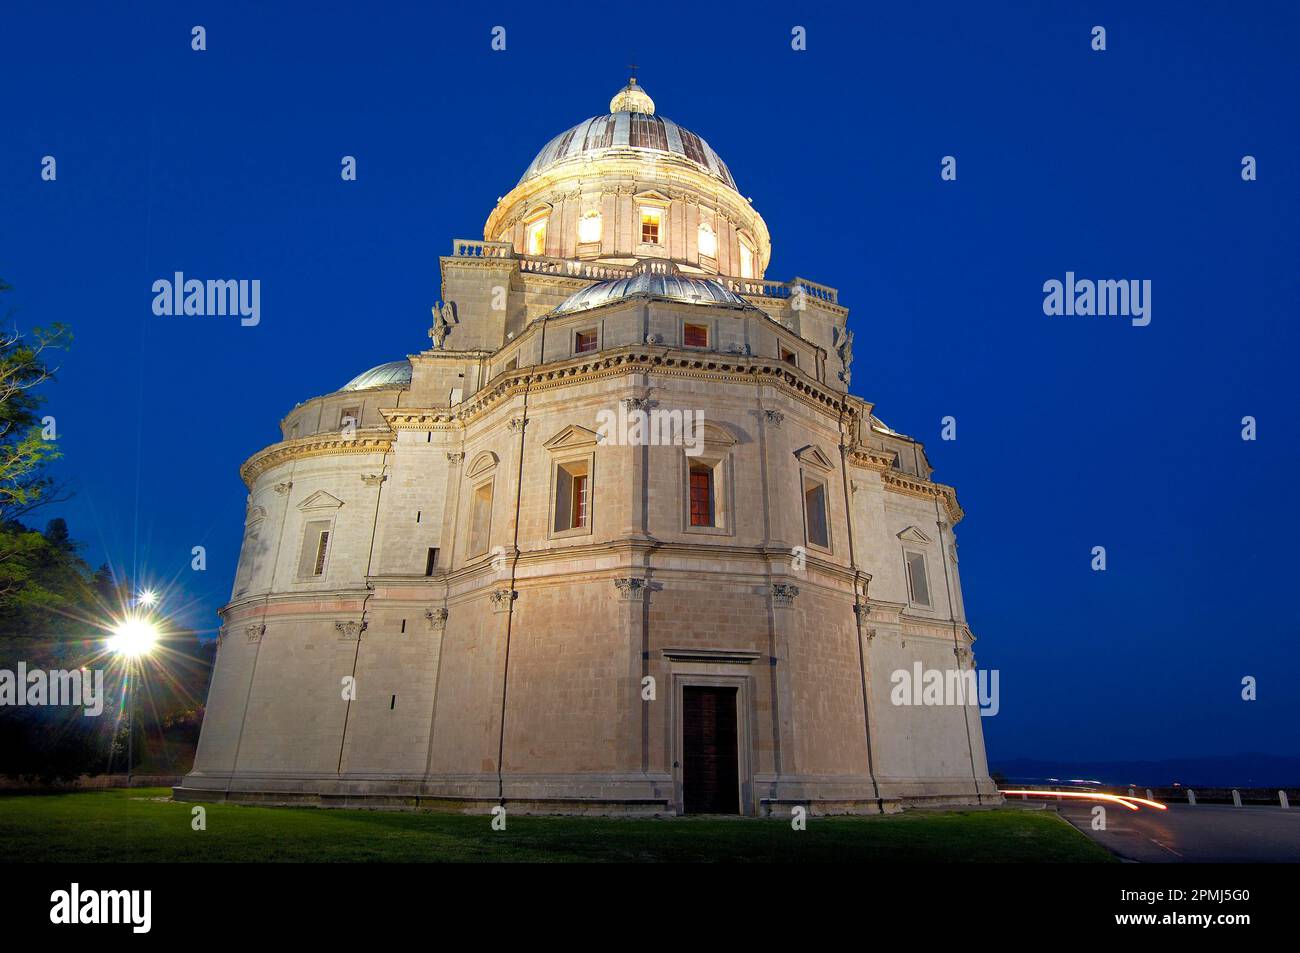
687,289
392,374
631,124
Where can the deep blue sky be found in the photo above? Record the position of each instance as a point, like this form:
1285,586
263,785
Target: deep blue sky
1072,432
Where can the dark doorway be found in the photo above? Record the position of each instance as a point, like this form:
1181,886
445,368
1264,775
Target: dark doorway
710,768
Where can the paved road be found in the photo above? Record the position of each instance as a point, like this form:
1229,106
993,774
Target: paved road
1203,834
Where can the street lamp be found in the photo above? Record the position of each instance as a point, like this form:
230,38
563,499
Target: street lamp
133,638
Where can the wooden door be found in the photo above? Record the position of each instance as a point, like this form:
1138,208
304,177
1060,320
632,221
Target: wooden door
710,763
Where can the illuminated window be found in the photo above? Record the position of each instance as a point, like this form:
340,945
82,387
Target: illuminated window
708,241
746,261
572,503
584,341
702,496
651,218
814,505
349,417
535,237
695,335
589,227
918,586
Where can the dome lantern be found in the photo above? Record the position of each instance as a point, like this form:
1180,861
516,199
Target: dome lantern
632,99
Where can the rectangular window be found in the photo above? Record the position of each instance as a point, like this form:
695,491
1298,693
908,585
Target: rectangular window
746,261
578,515
917,583
695,335
584,341
431,561
349,415
814,502
535,237
322,546
572,496
651,218
315,548
480,520
702,496
789,357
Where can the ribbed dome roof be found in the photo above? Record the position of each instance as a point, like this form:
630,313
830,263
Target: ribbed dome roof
392,374
630,125
687,289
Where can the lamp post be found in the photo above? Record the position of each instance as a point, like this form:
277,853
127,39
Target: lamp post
133,638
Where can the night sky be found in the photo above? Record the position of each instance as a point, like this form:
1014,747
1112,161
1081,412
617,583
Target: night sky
1072,432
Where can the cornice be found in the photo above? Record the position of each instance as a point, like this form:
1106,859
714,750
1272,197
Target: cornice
740,369
370,440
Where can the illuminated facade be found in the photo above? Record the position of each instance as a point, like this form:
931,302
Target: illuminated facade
505,570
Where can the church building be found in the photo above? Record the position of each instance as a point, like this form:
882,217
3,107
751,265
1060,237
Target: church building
619,540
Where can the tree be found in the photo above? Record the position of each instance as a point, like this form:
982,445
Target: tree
24,449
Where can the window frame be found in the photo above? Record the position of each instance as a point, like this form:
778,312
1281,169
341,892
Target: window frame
718,455
925,574
708,334
596,342
560,470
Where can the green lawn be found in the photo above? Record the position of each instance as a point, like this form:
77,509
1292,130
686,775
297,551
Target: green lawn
142,825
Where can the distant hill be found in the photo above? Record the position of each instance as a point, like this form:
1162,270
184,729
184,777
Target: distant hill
1235,770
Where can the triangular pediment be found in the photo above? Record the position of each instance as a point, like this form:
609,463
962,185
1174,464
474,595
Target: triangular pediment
573,436
320,500
814,456
913,535
653,195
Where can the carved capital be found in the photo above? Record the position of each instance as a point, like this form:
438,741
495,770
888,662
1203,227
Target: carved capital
518,424
783,593
501,599
373,479
630,588
455,458
636,403
254,632
773,417
436,618
350,631
282,488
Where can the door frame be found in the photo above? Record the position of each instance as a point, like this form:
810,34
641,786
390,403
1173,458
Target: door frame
744,760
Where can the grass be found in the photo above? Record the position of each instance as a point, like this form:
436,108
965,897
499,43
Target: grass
142,825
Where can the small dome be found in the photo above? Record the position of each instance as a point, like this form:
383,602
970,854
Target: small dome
632,99
392,374
630,128
653,282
